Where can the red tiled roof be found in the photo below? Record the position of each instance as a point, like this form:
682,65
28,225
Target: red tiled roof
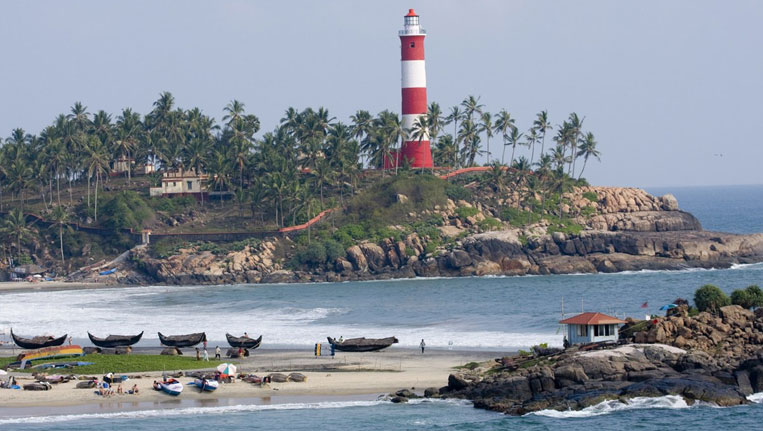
591,319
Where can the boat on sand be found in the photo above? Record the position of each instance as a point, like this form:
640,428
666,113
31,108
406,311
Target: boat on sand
38,342
170,387
244,342
362,344
187,340
115,340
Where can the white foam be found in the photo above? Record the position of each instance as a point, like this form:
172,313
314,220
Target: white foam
756,397
136,414
197,308
607,407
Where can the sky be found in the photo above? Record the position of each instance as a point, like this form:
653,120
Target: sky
672,90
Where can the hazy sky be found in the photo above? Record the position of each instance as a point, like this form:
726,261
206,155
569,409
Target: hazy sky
666,86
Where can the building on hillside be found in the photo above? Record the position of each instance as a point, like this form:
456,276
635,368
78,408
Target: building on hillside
591,328
182,183
120,165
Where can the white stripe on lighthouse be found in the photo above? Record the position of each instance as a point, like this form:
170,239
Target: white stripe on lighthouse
414,74
407,124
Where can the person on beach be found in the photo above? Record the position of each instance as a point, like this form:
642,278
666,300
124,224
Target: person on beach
198,354
217,352
134,390
205,356
246,335
205,344
422,345
70,340
119,389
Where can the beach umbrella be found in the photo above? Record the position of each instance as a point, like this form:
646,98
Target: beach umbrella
668,307
227,369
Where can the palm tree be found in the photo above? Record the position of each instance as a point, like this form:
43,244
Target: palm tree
97,162
445,150
532,138
16,226
472,106
576,131
60,216
514,138
455,115
542,124
362,122
487,127
503,123
469,135
79,116
323,175
128,131
434,120
588,149
559,157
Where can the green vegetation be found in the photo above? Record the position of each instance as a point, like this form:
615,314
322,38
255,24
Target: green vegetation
468,366
130,364
166,247
710,298
126,210
518,218
750,297
88,168
591,196
464,212
489,223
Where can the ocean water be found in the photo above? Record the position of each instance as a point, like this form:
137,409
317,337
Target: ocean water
491,313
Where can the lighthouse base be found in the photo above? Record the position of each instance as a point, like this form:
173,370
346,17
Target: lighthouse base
413,154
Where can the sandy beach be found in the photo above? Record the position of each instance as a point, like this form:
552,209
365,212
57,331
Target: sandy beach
347,374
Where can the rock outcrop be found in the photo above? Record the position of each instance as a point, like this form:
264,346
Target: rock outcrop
715,359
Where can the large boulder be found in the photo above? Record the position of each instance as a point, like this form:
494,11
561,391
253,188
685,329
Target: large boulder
358,259
375,256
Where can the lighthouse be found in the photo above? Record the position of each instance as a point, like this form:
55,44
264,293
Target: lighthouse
414,91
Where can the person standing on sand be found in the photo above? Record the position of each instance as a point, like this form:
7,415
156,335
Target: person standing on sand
205,344
422,345
198,354
217,352
205,356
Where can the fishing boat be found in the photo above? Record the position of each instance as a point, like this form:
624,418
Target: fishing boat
50,353
170,387
205,385
362,344
38,342
115,340
188,340
244,342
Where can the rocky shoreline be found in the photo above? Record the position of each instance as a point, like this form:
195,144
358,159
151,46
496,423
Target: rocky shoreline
719,361
625,230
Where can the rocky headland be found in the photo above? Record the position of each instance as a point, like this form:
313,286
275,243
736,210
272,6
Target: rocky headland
622,229
711,358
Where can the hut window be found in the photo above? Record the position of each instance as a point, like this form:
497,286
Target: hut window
582,330
413,44
190,185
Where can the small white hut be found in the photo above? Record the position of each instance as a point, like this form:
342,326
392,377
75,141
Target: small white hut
592,328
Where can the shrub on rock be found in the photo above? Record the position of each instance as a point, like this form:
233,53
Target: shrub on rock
710,298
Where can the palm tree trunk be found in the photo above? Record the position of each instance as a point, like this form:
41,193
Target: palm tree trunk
97,176
88,191
503,153
487,141
129,169
585,160
61,243
513,148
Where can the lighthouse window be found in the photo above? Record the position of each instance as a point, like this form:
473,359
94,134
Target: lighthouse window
413,44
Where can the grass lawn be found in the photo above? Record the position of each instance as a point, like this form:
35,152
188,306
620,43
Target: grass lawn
124,364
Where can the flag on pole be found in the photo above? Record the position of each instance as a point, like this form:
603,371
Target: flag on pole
645,304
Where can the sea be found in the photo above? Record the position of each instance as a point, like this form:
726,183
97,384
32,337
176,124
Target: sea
497,314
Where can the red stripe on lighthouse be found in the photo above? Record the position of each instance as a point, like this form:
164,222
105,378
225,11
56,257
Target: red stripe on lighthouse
412,47
414,101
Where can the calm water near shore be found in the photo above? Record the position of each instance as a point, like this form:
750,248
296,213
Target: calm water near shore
495,313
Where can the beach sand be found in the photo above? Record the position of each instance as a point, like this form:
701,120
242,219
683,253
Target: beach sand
347,374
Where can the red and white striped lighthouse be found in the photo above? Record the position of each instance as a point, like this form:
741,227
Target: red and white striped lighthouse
414,89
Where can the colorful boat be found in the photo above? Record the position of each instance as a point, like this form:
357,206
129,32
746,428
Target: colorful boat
170,387
205,385
51,352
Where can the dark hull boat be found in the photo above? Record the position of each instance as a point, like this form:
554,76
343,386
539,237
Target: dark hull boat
244,342
115,340
37,342
182,340
362,344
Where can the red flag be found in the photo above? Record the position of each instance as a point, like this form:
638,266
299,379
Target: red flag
645,305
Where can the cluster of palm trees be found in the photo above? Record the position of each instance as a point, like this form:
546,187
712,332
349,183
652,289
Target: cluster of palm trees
284,174
471,122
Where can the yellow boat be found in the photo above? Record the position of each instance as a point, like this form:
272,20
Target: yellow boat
51,352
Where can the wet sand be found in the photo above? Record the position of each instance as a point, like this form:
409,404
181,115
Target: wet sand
364,375
24,286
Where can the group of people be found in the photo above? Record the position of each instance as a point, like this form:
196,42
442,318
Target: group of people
105,389
204,355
